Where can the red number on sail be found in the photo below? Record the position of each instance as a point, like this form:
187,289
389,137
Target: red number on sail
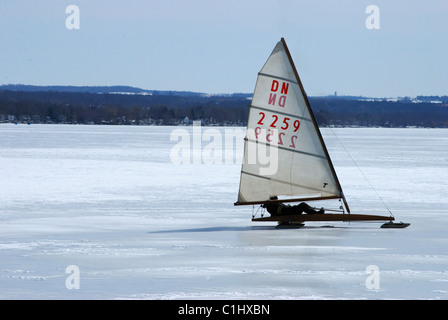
280,141
296,125
260,122
257,132
293,138
271,132
285,121
273,122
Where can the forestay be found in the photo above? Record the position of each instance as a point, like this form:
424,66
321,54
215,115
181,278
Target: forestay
281,127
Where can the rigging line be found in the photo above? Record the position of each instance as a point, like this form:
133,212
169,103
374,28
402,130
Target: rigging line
256,212
345,149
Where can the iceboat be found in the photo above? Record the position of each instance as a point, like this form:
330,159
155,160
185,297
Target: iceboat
281,120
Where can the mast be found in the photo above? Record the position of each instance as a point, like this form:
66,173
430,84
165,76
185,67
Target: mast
315,123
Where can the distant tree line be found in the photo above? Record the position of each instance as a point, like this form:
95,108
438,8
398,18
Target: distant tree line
119,108
348,112
173,108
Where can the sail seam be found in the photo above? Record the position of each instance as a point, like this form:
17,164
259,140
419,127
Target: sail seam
256,175
284,182
287,149
277,77
280,112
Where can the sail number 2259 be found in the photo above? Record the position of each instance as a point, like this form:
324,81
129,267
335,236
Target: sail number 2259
278,124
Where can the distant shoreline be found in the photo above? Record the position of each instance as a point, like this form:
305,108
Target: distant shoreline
121,105
207,126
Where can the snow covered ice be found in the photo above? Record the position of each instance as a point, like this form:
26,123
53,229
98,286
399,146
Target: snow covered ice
109,201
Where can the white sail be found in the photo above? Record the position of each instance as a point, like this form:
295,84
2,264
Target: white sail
281,126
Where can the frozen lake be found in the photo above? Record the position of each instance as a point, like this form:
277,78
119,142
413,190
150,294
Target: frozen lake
102,212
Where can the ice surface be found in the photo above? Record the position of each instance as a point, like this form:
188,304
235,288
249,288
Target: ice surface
109,200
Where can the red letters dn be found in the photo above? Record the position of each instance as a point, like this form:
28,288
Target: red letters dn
283,92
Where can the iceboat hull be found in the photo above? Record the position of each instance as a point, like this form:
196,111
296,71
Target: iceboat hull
324,217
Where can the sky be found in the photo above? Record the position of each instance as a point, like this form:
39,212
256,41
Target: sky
220,46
